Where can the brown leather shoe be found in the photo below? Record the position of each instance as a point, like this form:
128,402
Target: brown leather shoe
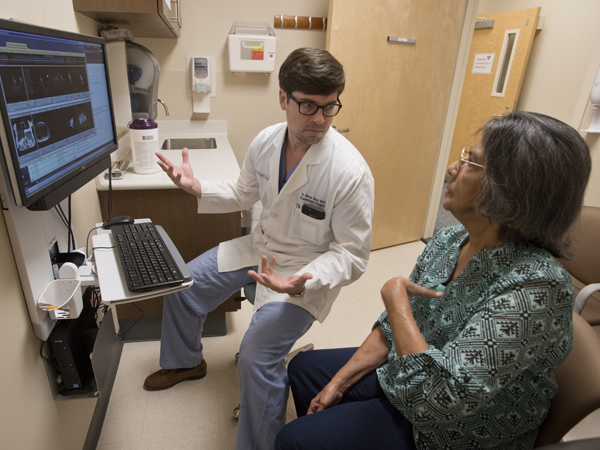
166,378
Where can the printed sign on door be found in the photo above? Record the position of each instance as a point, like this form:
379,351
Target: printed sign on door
483,63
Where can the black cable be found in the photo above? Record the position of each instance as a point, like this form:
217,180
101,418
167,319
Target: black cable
133,324
88,240
61,214
65,221
49,361
110,214
95,301
70,236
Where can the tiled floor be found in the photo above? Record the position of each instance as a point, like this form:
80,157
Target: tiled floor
198,414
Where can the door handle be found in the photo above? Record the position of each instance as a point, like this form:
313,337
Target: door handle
498,115
177,18
341,130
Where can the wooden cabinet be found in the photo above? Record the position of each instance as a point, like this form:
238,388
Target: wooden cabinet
192,233
146,18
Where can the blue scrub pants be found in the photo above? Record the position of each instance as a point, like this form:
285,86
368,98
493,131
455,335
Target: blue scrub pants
365,419
274,329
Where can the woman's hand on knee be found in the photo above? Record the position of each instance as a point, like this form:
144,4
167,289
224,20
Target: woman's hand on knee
327,398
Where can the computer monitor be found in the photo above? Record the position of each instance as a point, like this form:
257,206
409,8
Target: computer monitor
57,129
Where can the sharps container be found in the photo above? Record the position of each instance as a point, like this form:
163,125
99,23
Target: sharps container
144,145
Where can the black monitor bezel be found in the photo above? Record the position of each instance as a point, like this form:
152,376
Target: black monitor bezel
49,196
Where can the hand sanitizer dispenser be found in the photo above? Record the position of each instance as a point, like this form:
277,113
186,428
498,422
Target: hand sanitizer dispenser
201,82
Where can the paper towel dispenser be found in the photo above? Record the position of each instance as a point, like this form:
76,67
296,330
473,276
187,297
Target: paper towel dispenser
251,47
143,73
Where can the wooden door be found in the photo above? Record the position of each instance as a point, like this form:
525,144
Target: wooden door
396,99
495,70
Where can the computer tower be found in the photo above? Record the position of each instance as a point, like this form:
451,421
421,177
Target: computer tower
71,345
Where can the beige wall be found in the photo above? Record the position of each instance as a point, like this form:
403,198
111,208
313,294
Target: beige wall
30,419
248,101
560,60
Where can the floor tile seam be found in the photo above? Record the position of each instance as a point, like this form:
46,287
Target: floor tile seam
144,419
219,424
104,442
110,445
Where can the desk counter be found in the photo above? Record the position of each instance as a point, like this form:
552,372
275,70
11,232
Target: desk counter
208,164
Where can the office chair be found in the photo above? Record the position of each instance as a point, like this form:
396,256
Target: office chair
585,264
250,295
578,380
579,444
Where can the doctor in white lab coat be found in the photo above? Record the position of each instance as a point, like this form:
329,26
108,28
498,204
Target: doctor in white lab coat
313,238
333,178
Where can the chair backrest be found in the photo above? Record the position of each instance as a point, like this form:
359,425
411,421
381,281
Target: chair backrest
585,237
578,380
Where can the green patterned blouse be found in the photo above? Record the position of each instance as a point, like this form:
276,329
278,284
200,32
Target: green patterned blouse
495,339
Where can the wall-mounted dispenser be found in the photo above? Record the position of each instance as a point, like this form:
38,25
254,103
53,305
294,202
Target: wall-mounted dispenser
595,100
142,73
251,47
202,82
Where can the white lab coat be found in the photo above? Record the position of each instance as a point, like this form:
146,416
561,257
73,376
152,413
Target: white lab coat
333,177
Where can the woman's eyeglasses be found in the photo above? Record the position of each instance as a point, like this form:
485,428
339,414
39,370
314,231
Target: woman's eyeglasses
463,159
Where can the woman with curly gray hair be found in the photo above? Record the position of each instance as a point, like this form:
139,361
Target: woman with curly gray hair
465,352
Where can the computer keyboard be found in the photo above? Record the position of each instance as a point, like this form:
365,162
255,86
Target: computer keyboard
145,259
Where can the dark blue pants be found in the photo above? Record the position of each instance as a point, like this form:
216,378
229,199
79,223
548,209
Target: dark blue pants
365,419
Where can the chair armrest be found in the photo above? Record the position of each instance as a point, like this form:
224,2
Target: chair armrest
583,296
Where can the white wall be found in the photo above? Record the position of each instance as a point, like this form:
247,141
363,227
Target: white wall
559,62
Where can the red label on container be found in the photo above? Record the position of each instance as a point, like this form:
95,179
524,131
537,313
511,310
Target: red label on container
257,55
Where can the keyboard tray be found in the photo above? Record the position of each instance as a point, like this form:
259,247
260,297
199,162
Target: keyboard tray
146,257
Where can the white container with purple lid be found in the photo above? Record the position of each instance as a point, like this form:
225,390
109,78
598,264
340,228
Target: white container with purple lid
144,145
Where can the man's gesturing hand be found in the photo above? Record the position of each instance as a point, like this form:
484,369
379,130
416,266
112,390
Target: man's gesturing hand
284,284
182,175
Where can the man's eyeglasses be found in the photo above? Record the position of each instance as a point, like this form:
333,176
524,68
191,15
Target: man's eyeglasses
310,109
463,159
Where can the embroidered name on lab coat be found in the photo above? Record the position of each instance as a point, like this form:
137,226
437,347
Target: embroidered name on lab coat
310,199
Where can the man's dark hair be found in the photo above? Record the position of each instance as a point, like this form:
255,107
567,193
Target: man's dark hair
537,169
312,72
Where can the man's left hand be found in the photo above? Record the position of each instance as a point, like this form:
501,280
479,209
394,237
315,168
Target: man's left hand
284,284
